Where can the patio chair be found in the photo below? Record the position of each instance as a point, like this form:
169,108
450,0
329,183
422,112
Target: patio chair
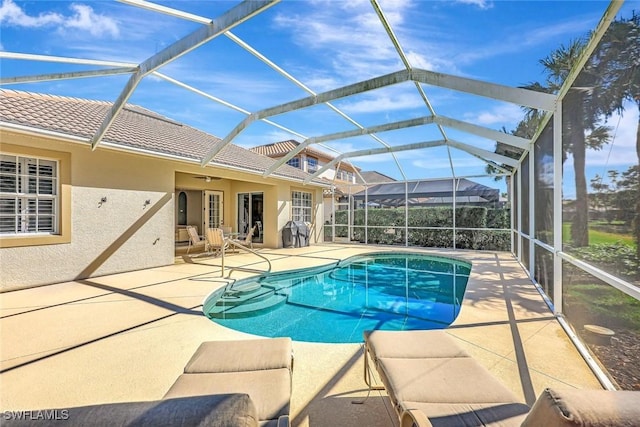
248,240
226,229
194,239
216,240
261,368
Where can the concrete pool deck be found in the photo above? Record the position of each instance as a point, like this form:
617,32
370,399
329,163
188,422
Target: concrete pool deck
127,337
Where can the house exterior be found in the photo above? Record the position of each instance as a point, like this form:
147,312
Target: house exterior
311,160
68,212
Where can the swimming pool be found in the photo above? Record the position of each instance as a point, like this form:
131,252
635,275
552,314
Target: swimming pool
334,304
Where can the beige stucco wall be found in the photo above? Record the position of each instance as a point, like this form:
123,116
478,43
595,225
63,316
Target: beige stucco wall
122,234
126,233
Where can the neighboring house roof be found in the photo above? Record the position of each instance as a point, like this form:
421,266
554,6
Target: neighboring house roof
280,149
134,128
372,177
439,191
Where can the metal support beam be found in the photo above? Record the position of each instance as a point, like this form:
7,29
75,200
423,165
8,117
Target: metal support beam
67,76
557,209
374,151
484,132
511,186
364,86
596,36
531,232
396,43
228,20
523,97
519,202
237,40
63,59
483,153
348,134
223,102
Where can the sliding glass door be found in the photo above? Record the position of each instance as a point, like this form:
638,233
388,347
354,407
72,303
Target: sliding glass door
250,209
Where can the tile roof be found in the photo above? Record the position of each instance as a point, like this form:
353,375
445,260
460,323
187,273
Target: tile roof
135,127
279,149
373,176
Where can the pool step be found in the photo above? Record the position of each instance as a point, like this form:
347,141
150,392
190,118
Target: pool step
234,310
244,295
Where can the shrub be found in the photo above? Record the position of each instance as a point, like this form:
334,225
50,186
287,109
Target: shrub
617,258
386,226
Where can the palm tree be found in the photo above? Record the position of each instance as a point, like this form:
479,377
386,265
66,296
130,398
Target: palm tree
616,62
578,117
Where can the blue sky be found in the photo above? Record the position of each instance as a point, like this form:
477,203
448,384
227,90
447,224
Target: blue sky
325,45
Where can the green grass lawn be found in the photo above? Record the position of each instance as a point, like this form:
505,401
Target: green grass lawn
597,236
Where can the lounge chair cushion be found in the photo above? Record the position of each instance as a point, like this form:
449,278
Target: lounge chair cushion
222,410
471,414
441,380
412,344
239,356
270,390
593,408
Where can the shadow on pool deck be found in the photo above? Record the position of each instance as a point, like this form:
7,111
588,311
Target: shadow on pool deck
126,337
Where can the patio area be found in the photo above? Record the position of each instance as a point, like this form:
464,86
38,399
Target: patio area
127,337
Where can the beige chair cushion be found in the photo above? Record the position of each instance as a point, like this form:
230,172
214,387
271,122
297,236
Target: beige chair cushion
239,356
454,380
593,408
270,390
220,410
413,344
471,414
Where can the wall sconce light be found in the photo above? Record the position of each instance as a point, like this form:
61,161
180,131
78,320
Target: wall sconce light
147,202
102,201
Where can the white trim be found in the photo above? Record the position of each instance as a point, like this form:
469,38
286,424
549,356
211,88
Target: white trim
557,209
616,282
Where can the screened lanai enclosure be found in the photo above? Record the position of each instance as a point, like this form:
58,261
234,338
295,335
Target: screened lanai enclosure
557,183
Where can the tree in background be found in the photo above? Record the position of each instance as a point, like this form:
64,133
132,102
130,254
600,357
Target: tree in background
616,62
580,123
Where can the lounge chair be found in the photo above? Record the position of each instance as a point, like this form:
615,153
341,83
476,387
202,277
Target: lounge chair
216,240
194,239
218,410
260,368
225,384
431,381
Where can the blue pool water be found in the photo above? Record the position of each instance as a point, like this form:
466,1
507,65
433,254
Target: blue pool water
334,304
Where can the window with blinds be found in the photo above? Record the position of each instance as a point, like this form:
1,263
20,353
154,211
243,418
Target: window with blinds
28,195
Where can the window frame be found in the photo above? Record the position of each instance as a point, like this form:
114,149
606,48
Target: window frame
61,216
299,209
312,164
294,162
33,196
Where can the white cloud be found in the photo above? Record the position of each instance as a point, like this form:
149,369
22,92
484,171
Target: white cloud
83,18
481,4
12,14
352,42
622,149
502,115
386,102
